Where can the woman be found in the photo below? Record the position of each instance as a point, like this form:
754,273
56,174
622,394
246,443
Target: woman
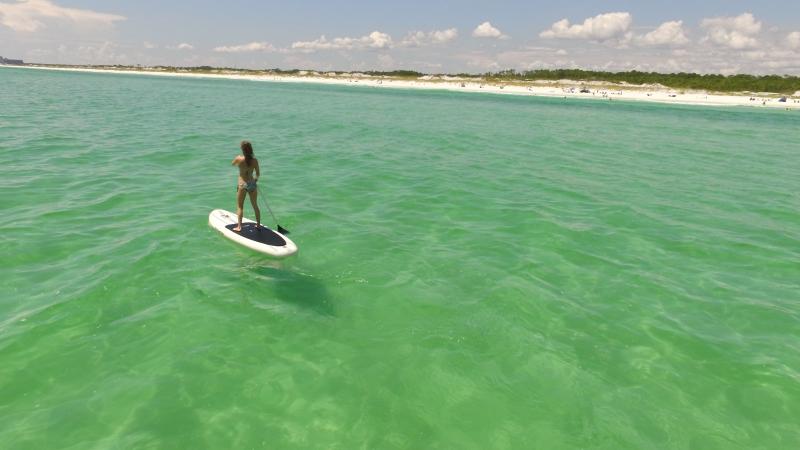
247,182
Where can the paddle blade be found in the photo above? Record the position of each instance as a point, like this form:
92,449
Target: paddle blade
282,230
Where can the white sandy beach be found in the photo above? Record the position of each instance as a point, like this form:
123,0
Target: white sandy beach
601,91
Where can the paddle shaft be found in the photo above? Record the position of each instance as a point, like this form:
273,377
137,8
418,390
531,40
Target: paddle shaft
264,197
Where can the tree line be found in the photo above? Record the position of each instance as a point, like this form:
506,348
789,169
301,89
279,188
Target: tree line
782,84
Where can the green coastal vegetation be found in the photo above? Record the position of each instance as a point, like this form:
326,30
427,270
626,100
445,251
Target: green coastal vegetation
780,84
776,84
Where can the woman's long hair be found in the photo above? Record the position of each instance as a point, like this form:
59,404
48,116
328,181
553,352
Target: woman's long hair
247,149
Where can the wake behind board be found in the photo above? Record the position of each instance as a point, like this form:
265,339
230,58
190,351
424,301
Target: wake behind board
263,239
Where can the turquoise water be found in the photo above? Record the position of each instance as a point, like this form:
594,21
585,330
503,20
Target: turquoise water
475,271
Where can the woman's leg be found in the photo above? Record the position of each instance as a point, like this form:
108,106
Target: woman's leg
254,201
239,207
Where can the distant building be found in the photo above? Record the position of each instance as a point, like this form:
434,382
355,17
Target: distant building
11,62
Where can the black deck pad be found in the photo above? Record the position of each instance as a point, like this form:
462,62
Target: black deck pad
263,235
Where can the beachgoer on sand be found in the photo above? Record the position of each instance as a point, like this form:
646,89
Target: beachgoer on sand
247,184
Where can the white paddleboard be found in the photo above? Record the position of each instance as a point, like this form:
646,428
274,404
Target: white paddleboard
263,239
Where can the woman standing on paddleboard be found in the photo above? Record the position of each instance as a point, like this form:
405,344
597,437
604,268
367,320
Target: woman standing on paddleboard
247,182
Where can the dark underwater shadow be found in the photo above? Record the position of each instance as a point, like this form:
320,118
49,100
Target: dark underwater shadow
296,288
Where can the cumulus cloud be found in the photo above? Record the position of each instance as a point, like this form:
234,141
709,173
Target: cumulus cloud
667,34
602,27
734,32
486,30
28,15
185,46
442,36
251,47
374,40
793,39
421,39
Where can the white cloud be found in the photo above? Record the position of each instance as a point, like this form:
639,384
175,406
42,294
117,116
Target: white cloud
421,39
28,15
794,40
149,45
602,27
442,36
667,34
734,32
185,46
375,40
251,47
486,30
775,60
415,39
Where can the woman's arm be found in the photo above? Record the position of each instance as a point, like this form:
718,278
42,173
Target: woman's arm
236,160
258,170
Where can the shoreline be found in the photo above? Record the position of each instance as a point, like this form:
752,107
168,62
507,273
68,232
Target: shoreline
601,91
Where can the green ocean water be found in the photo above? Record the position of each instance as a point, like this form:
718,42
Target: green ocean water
475,271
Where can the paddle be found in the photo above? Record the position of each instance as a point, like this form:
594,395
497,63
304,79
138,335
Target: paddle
281,230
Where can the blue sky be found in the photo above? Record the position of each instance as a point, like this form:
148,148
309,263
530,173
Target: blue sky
717,36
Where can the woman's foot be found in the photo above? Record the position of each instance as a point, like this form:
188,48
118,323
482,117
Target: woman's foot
237,229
